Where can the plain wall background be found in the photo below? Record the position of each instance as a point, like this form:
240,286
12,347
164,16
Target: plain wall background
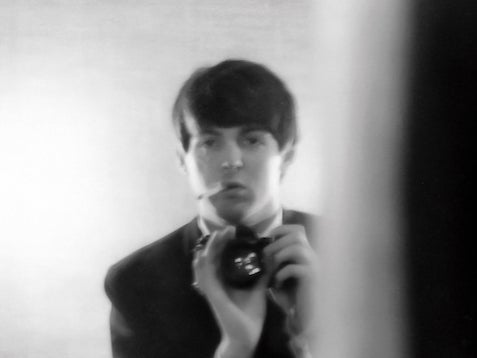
87,154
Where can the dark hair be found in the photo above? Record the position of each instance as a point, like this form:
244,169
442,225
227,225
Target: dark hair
236,93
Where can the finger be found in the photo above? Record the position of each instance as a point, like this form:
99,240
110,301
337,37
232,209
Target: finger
281,299
288,272
206,263
202,268
297,237
285,230
217,242
293,291
291,254
213,247
199,260
197,271
272,249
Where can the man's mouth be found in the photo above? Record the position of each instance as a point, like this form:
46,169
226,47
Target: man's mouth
232,186
233,189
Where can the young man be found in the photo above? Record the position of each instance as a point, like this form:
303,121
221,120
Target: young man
237,129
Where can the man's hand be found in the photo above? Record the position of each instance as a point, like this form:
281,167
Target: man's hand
240,313
294,264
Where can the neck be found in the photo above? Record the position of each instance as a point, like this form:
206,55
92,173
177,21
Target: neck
259,226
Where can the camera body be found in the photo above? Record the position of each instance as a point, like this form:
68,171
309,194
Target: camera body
242,262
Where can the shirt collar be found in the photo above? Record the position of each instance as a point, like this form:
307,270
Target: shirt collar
276,222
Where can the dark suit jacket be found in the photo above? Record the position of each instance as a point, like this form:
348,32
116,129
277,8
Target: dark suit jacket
156,313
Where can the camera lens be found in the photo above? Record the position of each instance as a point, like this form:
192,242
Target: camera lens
242,260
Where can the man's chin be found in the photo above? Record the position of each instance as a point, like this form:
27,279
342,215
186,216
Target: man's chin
233,216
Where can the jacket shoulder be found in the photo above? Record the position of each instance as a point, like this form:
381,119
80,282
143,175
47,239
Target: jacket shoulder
300,217
134,272
309,221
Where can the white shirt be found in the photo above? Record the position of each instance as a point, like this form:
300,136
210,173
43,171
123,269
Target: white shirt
276,222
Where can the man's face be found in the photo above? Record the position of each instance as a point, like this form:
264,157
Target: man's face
247,165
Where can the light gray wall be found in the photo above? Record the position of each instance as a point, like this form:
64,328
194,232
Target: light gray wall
87,156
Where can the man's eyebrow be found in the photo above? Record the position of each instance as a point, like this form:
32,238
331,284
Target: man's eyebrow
249,129
208,131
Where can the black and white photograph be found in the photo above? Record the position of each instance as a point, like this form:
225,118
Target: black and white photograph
235,179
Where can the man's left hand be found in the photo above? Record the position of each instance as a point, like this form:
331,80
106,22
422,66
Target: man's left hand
294,264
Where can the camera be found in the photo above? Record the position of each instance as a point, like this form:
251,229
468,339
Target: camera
242,262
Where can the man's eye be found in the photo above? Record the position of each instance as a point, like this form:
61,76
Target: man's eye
252,140
209,142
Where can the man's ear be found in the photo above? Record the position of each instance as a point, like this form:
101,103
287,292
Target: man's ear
180,152
288,154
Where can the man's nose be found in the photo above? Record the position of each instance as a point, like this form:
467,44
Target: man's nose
232,157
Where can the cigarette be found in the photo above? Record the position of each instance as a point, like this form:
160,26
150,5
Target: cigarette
212,191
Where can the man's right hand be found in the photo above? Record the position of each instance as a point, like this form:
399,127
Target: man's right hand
240,313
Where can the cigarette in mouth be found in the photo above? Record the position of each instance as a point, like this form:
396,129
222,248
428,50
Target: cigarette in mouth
212,191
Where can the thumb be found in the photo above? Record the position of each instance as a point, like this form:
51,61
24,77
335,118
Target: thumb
281,299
